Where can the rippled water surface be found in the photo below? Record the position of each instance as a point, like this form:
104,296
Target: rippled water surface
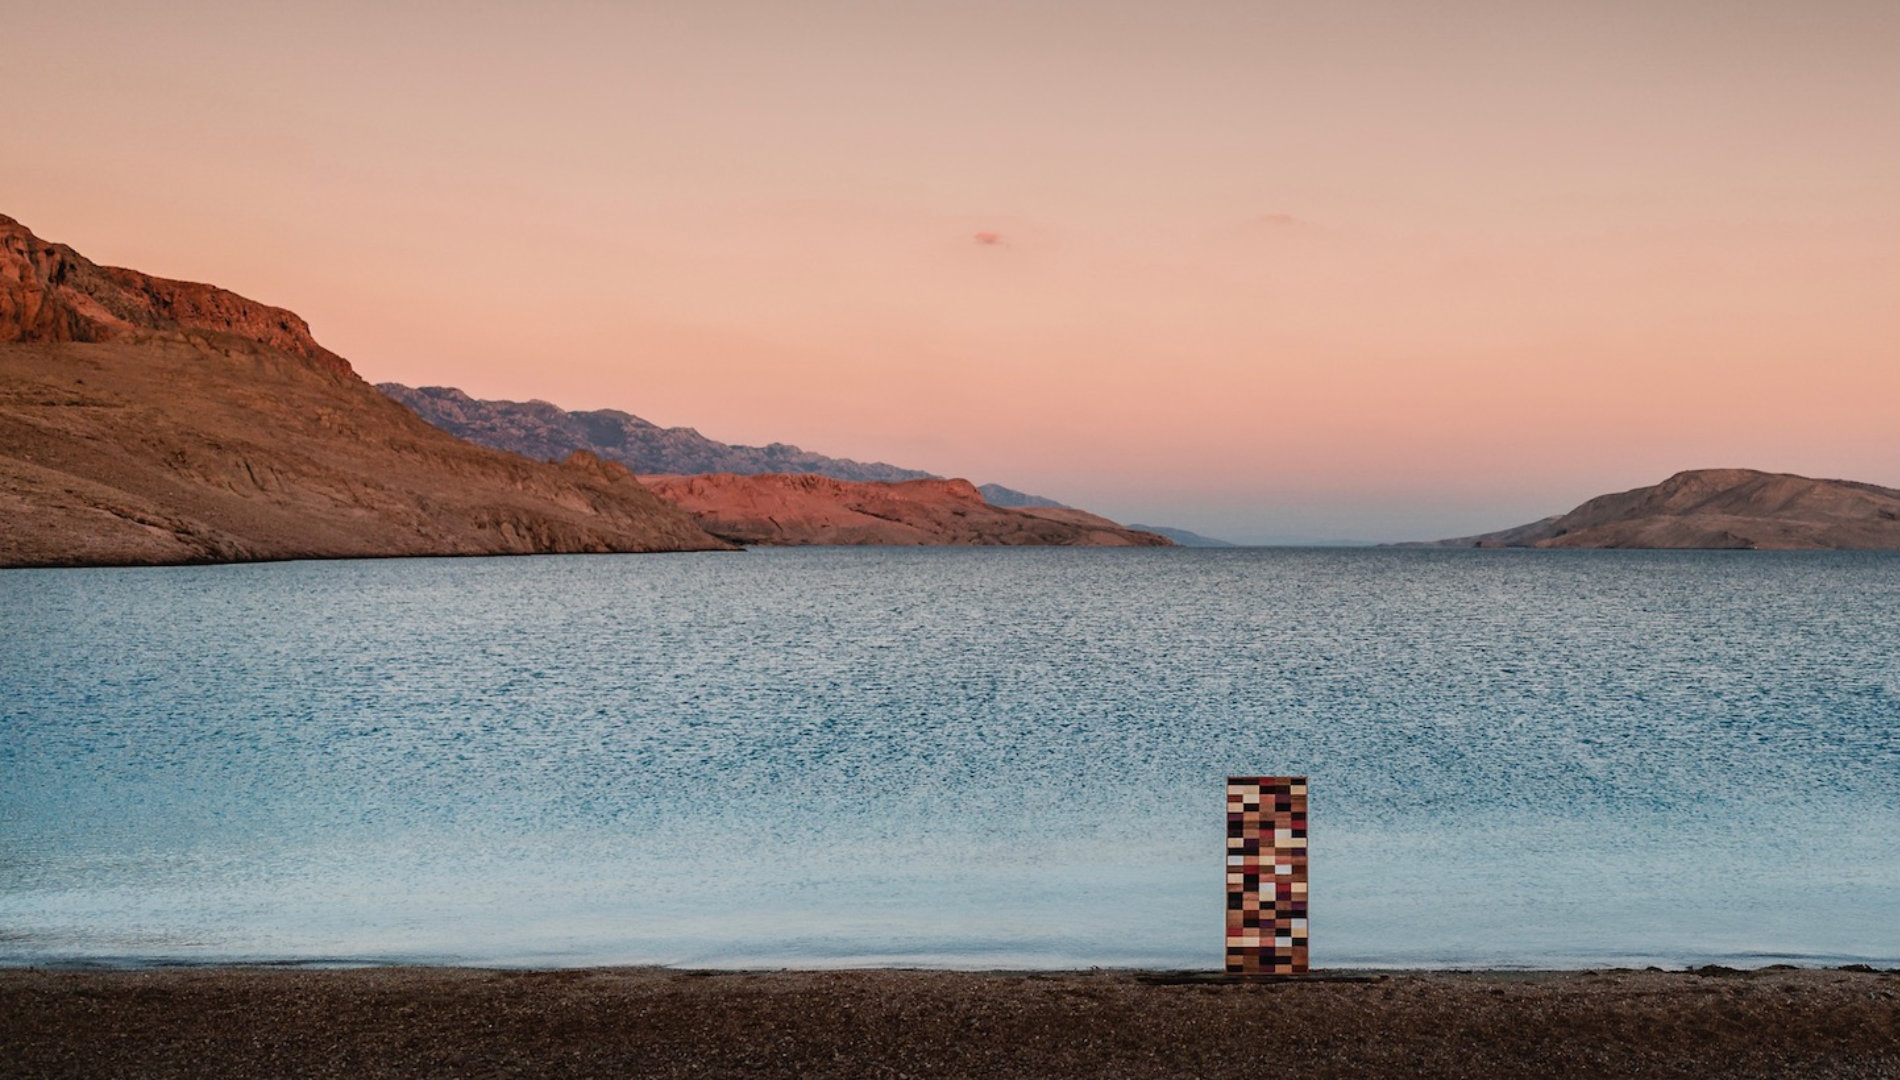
950,757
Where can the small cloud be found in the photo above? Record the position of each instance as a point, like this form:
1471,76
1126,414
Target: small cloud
989,238
1277,220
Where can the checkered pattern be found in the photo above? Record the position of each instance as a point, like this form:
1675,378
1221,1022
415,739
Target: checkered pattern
1266,875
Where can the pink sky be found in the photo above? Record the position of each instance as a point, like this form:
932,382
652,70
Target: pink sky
1263,270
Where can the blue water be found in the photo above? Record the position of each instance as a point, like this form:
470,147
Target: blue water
969,758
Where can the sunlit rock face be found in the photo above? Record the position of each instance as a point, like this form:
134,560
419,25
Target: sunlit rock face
799,510
49,292
147,421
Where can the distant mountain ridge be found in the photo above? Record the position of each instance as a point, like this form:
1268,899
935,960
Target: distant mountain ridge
547,432
1718,509
998,495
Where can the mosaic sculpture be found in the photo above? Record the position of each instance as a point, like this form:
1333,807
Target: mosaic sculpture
1266,875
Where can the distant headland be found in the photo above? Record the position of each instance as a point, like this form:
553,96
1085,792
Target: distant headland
780,510
778,494
1718,509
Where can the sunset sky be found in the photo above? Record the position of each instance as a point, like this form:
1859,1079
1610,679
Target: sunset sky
1268,271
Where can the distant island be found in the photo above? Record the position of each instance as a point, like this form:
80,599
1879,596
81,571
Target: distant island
1718,509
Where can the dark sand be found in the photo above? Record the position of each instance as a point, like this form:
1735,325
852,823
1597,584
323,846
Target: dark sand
645,1022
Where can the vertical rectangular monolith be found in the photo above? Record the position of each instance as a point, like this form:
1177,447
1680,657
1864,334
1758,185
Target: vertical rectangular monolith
1266,875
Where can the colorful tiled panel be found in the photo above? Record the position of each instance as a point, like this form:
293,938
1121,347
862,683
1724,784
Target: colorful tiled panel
1266,875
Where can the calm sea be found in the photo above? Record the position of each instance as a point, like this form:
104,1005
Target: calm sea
968,758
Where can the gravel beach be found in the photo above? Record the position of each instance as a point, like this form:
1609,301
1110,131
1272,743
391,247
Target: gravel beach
371,1022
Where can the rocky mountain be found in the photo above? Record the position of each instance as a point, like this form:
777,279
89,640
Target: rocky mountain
148,421
51,293
548,432
540,430
1720,508
807,509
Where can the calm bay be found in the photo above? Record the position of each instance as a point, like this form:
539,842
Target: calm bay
950,757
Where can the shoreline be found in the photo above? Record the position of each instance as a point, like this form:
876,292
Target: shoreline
120,965
387,1021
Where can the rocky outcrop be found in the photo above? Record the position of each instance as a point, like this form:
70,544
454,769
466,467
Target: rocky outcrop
145,421
806,509
1720,508
51,293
